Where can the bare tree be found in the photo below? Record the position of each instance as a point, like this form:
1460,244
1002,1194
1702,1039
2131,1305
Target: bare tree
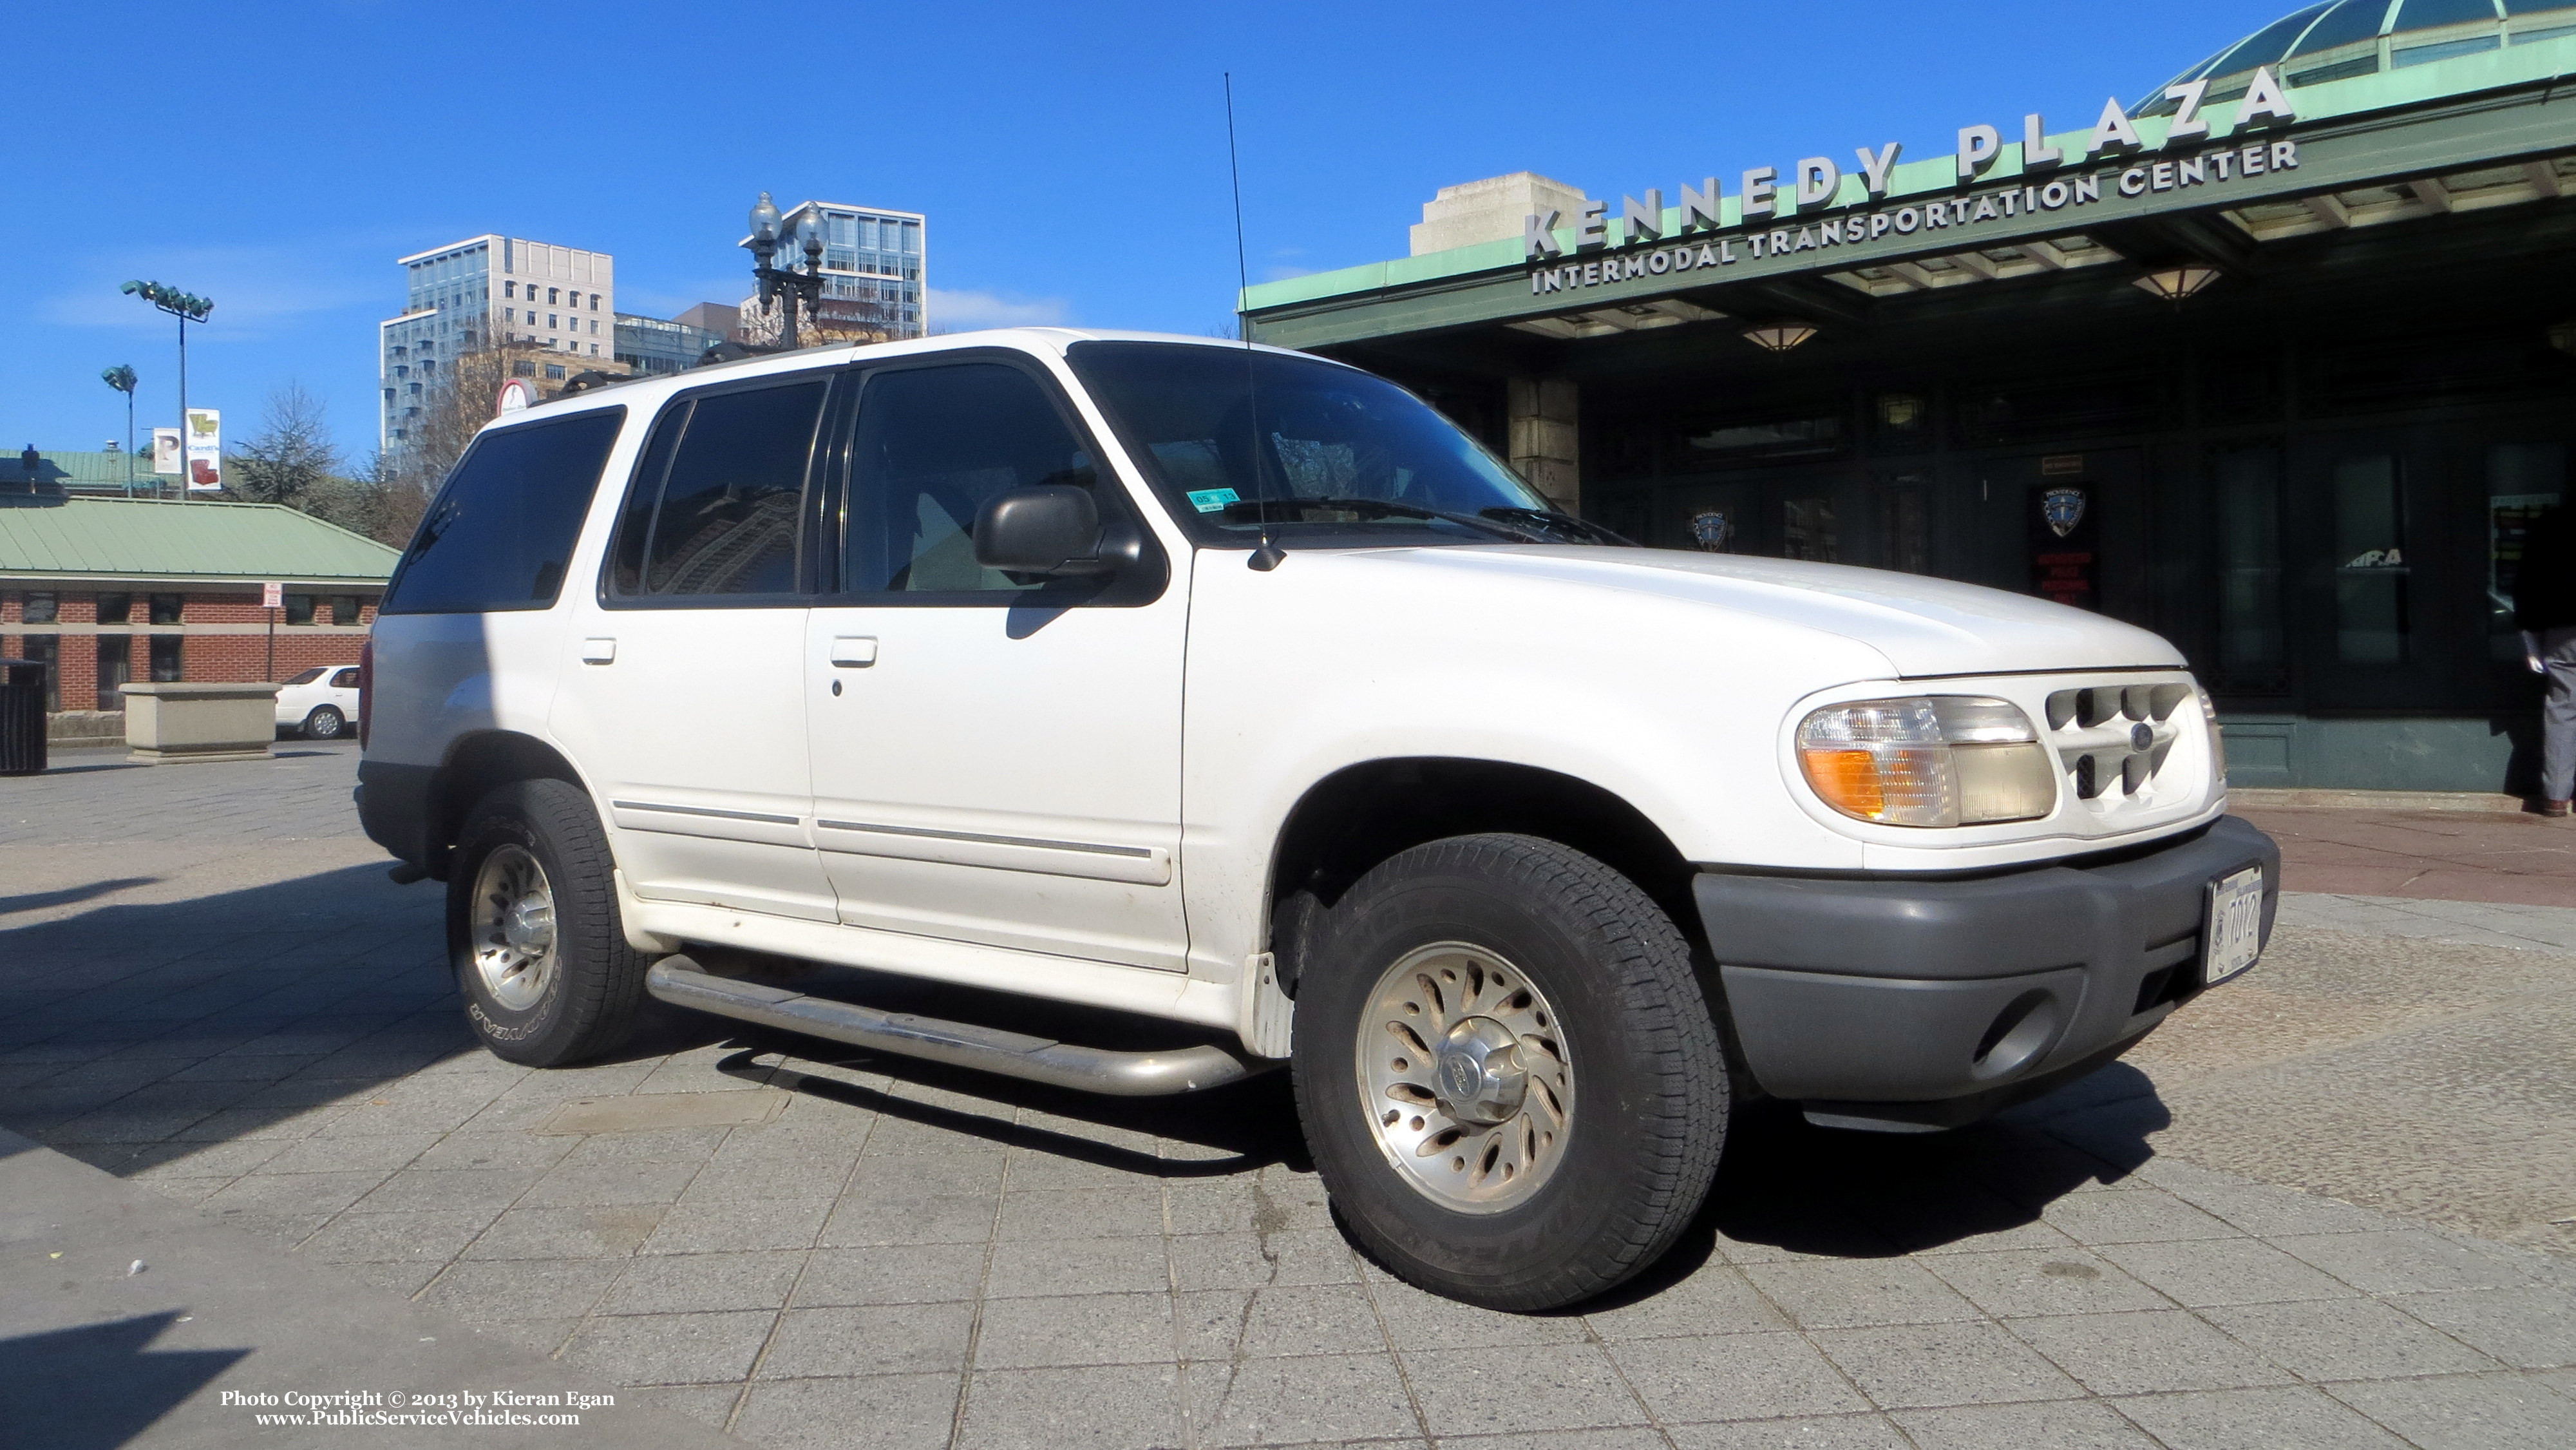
291,454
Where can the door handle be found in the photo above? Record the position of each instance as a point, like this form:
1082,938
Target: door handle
854,652
599,651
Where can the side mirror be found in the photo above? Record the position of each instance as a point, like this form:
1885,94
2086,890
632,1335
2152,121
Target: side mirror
1051,530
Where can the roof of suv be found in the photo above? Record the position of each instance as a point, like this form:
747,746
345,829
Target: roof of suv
648,391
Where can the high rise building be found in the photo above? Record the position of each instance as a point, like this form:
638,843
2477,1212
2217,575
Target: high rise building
485,292
872,273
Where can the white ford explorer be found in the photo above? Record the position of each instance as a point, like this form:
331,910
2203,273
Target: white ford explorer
1239,689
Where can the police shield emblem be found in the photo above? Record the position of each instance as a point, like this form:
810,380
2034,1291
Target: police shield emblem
2063,508
1710,530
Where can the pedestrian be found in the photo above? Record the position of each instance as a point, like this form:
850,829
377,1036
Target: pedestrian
2544,609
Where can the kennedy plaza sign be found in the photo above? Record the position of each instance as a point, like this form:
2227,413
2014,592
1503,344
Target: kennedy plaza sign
2112,156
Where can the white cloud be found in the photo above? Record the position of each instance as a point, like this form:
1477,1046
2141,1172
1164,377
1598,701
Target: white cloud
256,289
1282,274
968,311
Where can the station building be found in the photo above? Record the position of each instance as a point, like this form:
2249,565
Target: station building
2277,359
112,590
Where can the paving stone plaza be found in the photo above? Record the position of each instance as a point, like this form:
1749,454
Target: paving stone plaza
2333,1204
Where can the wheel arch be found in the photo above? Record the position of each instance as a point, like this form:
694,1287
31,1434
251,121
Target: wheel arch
479,764
1362,814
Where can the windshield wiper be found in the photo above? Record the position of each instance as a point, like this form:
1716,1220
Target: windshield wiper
1550,518
1258,507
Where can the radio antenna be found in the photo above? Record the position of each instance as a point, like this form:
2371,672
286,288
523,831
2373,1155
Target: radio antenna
1266,557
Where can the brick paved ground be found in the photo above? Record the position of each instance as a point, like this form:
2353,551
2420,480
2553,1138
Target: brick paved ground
207,985
2501,856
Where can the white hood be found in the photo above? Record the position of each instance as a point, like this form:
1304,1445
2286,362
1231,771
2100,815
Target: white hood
1923,626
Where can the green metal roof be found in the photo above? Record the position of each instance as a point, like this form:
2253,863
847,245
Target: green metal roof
53,537
2535,61
81,470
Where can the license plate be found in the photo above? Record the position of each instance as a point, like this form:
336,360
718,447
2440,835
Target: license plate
2232,937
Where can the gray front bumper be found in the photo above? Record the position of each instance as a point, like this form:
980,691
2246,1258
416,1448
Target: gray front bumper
1899,1003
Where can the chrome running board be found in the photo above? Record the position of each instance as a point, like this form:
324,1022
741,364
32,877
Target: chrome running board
683,983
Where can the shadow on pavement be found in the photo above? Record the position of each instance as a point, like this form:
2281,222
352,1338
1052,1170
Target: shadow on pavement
1829,1192
100,1385
146,1033
69,895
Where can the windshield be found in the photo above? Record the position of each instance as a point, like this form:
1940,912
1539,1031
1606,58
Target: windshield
308,677
1341,454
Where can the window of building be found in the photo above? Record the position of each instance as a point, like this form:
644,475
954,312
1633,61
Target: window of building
716,504
166,608
42,607
347,609
555,371
551,320
115,608
169,657
115,667
299,609
523,368
509,289
594,303
2370,561
2524,481
594,327
2248,484
46,650
554,295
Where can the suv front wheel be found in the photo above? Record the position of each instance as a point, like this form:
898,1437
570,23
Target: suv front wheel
1507,1073
533,931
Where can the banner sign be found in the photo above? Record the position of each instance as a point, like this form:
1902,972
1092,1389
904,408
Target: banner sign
165,452
205,450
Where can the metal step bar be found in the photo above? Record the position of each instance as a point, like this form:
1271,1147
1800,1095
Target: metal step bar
683,983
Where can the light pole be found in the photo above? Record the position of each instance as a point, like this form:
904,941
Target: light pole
187,307
785,284
121,378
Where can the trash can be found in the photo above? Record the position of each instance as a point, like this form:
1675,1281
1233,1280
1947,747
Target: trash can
22,717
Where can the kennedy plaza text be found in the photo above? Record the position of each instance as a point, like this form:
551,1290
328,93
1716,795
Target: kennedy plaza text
2205,168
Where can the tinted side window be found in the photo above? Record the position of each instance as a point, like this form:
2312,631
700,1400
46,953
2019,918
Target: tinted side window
716,504
500,532
933,445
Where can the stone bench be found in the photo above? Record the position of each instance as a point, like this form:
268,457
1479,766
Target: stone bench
173,721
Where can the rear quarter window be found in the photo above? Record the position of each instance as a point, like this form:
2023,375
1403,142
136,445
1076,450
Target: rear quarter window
501,531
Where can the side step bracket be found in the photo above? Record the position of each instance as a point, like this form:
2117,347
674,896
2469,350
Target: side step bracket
683,983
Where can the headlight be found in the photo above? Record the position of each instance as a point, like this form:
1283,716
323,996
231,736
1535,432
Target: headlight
2217,737
1938,760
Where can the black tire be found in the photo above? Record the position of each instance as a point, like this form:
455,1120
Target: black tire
1649,1080
587,1005
325,723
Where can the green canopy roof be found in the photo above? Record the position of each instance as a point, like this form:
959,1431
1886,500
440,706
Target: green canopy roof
54,537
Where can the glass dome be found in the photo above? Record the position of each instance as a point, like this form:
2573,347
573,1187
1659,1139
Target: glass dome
2342,38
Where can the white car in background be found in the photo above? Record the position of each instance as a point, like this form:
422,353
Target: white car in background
319,704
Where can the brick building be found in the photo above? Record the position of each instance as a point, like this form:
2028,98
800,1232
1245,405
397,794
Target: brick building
115,589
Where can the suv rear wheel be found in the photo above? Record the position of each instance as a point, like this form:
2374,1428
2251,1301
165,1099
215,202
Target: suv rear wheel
533,931
1507,1073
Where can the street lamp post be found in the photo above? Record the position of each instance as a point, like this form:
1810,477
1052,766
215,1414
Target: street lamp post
187,307
786,285
121,378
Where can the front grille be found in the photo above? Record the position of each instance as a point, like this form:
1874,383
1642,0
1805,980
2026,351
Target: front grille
2112,739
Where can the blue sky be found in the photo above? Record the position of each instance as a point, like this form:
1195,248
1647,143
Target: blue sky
1071,157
